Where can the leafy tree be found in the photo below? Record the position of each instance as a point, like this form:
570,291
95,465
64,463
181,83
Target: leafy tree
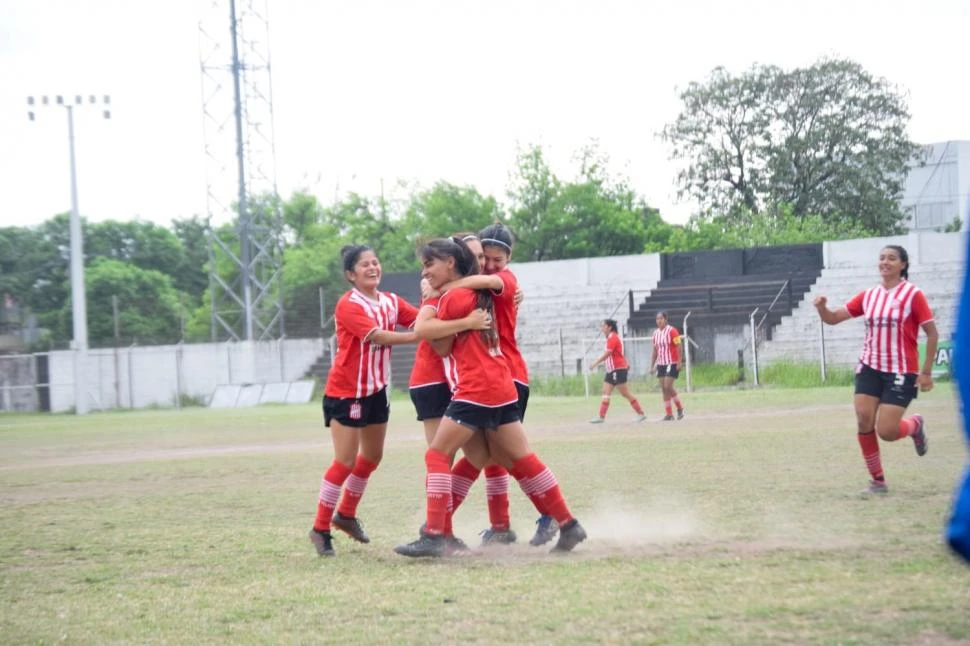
191,275
828,139
446,209
148,304
591,216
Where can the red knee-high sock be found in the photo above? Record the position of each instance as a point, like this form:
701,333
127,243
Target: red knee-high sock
497,495
438,489
869,443
636,406
668,410
541,486
333,479
463,476
355,486
677,403
604,406
907,426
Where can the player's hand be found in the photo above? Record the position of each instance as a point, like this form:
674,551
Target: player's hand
426,291
479,319
925,382
518,296
821,302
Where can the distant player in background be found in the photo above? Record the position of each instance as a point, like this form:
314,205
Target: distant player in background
958,528
616,373
888,372
356,406
666,361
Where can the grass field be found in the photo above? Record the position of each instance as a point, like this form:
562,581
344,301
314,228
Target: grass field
738,525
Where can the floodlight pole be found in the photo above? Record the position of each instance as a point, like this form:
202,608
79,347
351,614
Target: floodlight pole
79,308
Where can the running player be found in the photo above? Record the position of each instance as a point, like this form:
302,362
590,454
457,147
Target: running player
888,372
486,399
666,361
616,373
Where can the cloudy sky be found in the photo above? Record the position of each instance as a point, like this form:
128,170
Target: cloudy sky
420,90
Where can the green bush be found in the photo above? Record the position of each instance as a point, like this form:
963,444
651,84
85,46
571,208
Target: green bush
789,374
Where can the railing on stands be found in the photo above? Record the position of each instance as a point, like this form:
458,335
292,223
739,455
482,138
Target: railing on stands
758,335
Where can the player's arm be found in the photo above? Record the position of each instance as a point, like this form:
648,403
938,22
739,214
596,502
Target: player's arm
475,281
829,316
384,337
599,360
430,328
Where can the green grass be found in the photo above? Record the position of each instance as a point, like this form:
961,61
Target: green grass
737,525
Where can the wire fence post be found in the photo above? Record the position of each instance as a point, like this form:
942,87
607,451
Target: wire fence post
562,356
821,347
178,376
687,362
754,347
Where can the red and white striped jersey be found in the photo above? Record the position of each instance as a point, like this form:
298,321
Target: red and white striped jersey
430,367
616,360
892,317
666,342
362,368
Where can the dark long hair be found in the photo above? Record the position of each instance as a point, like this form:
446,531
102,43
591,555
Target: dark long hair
350,254
496,235
902,256
466,264
610,323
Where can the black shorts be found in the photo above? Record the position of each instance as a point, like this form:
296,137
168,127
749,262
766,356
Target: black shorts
523,399
890,387
478,417
667,370
616,377
357,413
430,401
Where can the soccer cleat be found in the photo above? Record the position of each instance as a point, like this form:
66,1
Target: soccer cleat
668,418
454,546
597,420
570,535
427,545
919,437
351,526
680,413
546,529
640,418
492,536
875,488
323,541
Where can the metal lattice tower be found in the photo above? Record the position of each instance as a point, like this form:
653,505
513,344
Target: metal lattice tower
245,253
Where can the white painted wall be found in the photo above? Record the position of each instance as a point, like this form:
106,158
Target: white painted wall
139,377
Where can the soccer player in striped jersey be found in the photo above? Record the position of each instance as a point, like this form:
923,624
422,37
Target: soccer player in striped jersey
888,373
666,360
486,401
355,402
616,373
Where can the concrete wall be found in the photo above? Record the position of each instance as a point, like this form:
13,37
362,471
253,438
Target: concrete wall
139,377
922,247
606,272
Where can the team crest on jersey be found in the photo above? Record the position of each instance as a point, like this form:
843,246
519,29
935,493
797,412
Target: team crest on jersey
355,410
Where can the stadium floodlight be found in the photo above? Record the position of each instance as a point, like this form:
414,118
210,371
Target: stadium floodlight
78,295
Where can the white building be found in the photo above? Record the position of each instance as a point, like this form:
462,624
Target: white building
937,191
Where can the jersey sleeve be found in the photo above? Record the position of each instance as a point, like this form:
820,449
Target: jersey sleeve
921,309
613,343
675,337
854,305
509,286
406,313
456,304
354,319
